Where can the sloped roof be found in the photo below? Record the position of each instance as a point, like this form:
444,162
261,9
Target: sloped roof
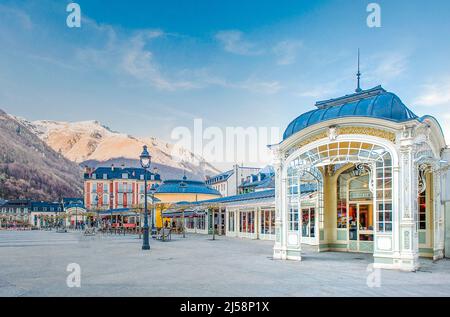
242,197
373,103
117,172
220,177
40,205
73,200
122,211
267,181
18,203
185,186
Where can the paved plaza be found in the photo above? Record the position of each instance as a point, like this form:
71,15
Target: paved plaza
34,263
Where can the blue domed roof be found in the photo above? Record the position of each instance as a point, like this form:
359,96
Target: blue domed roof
372,103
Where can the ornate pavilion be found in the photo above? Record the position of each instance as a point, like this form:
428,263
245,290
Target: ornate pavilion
377,169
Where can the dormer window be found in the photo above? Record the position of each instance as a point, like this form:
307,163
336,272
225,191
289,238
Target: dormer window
94,176
105,176
124,176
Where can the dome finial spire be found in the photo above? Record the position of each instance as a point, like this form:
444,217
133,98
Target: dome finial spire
358,76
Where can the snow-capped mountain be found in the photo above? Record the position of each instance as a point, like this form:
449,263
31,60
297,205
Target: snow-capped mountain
91,143
30,169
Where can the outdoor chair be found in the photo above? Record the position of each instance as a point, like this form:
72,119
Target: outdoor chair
89,232
164,234
158,234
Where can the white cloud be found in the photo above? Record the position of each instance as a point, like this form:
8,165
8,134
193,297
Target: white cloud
323,90
130,55
388,66
256,86
435,94
286,51
202,78
12,15
233,42
139,62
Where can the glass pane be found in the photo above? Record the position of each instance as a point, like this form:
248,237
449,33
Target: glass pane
305,222
312,222
352,219
365,217
388,226
342,214
380,227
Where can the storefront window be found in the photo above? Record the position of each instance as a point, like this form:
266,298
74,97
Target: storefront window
190,224
247,223
201,222
231,221
308,222
267,221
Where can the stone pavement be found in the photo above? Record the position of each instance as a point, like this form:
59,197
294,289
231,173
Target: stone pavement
34,263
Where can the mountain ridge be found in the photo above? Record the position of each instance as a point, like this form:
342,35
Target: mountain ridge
30,169
90,143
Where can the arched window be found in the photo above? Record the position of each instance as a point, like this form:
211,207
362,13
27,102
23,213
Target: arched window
305,186
374,157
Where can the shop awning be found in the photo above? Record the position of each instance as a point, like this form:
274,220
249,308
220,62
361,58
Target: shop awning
191,212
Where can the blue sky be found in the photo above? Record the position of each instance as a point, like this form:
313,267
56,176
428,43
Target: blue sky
146,67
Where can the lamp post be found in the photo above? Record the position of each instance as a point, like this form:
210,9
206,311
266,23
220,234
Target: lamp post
145,160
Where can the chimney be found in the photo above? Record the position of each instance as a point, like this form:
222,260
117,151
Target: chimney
88,170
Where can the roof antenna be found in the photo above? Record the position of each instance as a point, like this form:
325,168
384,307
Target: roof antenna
358,76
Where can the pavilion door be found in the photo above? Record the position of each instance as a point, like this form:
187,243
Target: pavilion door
360,224
308,217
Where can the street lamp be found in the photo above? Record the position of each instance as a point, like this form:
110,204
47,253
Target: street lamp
145,160
96,205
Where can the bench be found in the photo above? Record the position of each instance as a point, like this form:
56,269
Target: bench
164,234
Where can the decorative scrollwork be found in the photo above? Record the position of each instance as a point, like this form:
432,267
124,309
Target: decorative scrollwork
367,131
422,184
365,168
